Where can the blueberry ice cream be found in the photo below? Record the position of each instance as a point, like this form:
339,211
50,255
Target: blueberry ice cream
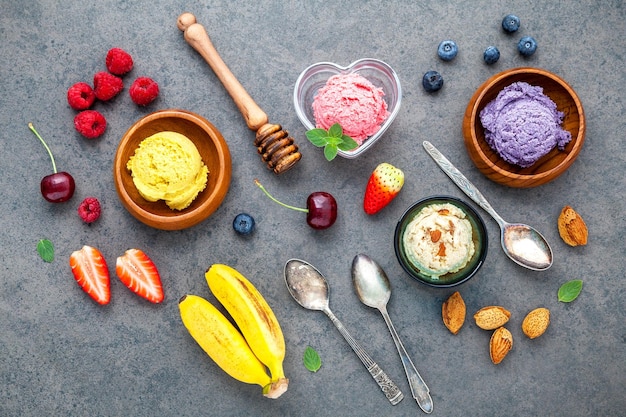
522,124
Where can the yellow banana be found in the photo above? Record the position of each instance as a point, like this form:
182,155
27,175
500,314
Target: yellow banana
224,344
253,316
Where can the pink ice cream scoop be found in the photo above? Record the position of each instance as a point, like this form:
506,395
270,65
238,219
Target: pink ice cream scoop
353,102
522,124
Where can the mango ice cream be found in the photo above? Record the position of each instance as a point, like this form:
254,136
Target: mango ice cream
167,166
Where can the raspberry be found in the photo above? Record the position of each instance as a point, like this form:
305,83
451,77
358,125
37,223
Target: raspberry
90,123
89,210
143,91
80,96
118,61
106,86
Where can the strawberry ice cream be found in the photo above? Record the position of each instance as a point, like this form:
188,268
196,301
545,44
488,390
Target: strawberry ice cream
352,101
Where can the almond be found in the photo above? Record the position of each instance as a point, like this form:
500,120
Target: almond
491,317
572,227
536,322
500,344
453,312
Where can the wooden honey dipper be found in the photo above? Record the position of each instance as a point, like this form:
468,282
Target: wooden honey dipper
276,147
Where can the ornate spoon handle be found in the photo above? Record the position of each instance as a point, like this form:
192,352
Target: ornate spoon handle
419,389
461,181
389,388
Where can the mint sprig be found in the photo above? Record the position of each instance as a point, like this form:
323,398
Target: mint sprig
332,140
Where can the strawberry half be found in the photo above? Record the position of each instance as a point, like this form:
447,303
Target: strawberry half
92,274
384,184
137,271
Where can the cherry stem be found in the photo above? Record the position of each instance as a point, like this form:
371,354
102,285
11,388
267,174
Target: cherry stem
279,202
54,165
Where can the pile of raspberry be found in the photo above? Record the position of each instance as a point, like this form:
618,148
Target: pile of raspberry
107,85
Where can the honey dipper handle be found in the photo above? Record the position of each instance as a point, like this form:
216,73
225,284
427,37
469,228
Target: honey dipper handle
197,37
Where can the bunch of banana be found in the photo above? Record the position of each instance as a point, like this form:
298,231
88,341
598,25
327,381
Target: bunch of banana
243,355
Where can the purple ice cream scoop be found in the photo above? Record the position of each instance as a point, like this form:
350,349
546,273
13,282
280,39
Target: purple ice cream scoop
522,124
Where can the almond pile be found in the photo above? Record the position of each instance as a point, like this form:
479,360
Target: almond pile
453,311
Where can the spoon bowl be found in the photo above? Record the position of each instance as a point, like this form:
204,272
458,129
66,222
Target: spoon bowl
520,242
374,290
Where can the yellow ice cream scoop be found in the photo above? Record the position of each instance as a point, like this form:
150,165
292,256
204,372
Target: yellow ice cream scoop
167,166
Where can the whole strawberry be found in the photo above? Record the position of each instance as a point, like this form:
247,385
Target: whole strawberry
384,184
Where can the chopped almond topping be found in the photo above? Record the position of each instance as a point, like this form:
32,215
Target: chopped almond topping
435,235
442,250
451,223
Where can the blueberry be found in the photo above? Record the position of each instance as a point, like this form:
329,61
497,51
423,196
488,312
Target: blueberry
243,224
510,23
432,81
527,46
447,50
491,55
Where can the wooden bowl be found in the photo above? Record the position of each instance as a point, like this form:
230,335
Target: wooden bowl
550,166
215,155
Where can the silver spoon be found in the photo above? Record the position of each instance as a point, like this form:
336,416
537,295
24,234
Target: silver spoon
374,290
523,244
309,288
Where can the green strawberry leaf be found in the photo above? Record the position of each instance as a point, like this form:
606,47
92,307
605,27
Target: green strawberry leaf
45,250
311,359
569,291
331,140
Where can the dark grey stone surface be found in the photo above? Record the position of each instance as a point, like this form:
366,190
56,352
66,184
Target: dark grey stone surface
61,354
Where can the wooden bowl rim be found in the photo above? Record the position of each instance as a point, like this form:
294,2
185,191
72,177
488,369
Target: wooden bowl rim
477,100
187,217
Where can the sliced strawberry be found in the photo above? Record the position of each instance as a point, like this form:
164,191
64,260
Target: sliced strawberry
384,184
137,271
92,274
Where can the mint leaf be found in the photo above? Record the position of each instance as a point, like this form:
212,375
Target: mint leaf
311,359
330,151
317,137
569,291
335,131
45,250
331,140
347,143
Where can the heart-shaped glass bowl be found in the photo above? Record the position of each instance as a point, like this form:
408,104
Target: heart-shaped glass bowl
379,73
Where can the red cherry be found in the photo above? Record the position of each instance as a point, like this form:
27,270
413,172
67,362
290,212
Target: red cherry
57,187
322,208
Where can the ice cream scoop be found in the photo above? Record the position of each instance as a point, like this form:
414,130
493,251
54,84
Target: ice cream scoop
277,149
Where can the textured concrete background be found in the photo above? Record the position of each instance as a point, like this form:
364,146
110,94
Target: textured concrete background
61,354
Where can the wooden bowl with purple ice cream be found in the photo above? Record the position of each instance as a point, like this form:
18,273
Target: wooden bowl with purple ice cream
524,127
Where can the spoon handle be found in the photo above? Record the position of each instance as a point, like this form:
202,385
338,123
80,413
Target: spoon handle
389,388
461,181
419,389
